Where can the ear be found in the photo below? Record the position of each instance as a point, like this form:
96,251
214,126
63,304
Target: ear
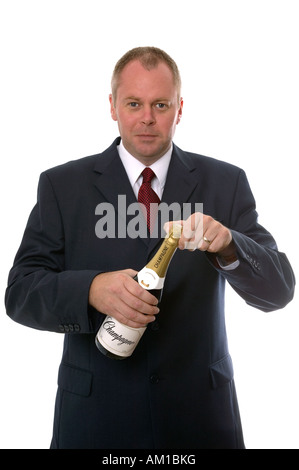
180,112
112,108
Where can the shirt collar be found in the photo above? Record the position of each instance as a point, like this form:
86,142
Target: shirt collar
134,167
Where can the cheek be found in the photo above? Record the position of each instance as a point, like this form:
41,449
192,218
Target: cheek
126,122
170,126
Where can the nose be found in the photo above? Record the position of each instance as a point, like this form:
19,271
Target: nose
148,117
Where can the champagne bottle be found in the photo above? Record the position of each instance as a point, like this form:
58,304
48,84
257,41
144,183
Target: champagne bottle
118,341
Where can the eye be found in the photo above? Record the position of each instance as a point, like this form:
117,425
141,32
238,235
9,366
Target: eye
161,105
133,104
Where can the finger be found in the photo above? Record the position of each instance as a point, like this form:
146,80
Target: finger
194,242
131,317
192,232
130,272
193,222
138,305
131,309
136,290
215,239
205,243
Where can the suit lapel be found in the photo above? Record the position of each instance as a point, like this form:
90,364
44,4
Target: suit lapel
112,179
181,181
112,182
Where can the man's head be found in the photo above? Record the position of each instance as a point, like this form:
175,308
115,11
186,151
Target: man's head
146,102
149,57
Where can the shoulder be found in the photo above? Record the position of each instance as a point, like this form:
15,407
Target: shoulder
211,171
82,168
73,167
207,164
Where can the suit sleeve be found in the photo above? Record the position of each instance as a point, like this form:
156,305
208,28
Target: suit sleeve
41,294
264,277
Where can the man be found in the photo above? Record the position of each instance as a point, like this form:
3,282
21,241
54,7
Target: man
177,389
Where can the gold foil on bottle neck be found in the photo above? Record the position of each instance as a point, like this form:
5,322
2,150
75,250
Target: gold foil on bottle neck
160,261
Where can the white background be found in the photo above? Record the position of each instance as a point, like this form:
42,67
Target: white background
239,65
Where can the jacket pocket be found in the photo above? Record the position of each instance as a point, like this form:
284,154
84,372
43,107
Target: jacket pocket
74,380
221,372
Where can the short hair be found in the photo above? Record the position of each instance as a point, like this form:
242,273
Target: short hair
149,57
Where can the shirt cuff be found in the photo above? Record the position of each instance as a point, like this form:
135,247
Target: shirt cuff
227,267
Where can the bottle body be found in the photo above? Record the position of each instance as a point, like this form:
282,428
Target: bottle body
118,341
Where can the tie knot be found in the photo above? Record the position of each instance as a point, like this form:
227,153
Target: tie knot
148,175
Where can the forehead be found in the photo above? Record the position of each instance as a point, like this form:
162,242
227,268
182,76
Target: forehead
135,80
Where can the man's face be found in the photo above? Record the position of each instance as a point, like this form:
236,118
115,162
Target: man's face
147,110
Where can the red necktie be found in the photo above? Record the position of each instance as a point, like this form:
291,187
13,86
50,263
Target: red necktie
147,196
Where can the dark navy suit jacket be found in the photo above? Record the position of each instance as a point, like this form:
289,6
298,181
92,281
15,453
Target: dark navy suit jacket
177,389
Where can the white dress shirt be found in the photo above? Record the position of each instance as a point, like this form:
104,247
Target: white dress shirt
134,168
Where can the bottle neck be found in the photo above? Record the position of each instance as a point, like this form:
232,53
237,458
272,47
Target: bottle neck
161,260
153,274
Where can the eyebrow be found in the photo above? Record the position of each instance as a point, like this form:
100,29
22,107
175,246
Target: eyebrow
134,98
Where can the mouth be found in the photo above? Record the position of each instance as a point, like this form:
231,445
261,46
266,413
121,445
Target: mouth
146,136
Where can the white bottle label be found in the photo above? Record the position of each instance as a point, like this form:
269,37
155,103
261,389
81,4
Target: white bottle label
118,338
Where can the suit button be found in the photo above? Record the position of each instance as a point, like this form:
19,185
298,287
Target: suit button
154,379
71,328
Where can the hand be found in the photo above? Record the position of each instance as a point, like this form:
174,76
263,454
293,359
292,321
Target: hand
119,295
204,233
